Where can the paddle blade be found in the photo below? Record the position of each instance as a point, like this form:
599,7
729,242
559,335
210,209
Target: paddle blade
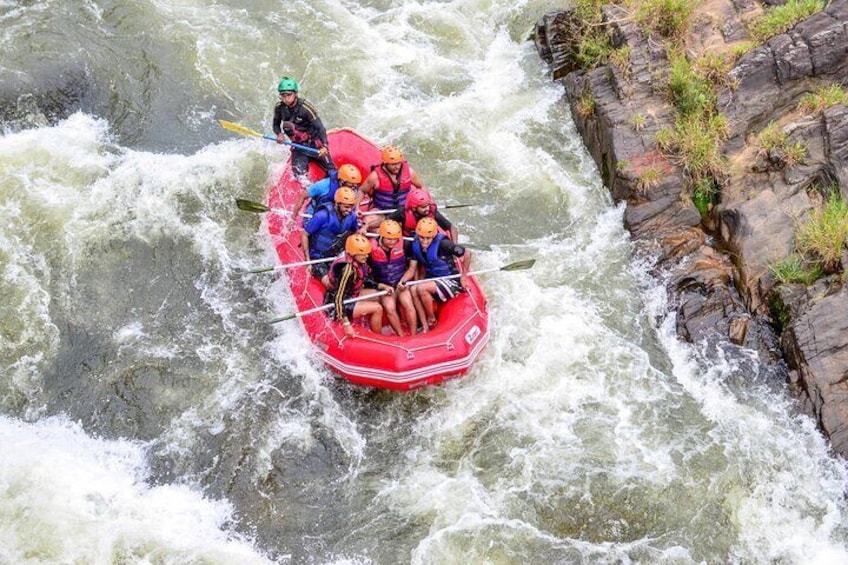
238,128
251,206
477,247
257,270
285,318
519,265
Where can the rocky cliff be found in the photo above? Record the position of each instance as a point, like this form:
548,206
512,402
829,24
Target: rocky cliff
718,260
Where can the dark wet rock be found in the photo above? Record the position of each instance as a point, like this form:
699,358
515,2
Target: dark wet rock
718,266
817,351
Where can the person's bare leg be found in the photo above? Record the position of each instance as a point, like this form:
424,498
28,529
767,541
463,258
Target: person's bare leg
377,320
419,308
406,303
374,310
390,307
425,292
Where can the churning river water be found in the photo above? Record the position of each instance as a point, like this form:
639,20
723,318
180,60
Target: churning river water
149,415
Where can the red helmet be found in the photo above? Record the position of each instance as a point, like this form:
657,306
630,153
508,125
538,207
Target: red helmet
345,195
390,229
350,174
392,155
417,197
357,244
427,227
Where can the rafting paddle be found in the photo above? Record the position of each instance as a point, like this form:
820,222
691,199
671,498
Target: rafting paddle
251,206
468,245
257,208
325,307
287,265
390,210
247,131
517,266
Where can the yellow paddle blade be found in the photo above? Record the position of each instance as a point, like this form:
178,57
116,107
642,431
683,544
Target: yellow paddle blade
238,128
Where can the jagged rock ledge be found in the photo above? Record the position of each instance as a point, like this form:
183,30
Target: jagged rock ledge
717,267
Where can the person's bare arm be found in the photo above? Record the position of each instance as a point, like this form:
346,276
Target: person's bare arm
416,180
370,183
304,244
301,198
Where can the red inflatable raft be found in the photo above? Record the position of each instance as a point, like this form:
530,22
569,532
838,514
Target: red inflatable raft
384,361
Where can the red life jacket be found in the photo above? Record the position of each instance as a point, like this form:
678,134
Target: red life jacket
387,195
388,267
410,220
360,272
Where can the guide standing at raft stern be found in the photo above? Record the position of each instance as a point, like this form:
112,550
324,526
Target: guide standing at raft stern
298,119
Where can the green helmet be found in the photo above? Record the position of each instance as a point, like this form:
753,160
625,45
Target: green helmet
287,85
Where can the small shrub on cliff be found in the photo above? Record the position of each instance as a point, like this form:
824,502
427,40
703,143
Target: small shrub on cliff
705,191
772,143
586,105
795,269
794,154
621,59
779,19
697,141
714,66
825,233
739,49
594,48
666,18
690,92
638,121
771,137
649,178
823,97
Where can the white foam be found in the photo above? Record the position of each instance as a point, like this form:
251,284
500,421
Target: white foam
68,498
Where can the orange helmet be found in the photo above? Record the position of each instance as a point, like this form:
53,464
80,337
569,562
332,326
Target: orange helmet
417,197
390,229
357,244
345,195
427,227
392,155
350,174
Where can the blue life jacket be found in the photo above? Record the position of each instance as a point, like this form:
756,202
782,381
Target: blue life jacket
328,197
323,241
434,264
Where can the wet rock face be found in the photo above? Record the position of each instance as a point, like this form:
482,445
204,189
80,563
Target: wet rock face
718,266
557,36
817,350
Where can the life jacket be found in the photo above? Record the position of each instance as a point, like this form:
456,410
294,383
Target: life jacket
329,197
323,242
410,220
361,271
387,195
388,267
434,265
